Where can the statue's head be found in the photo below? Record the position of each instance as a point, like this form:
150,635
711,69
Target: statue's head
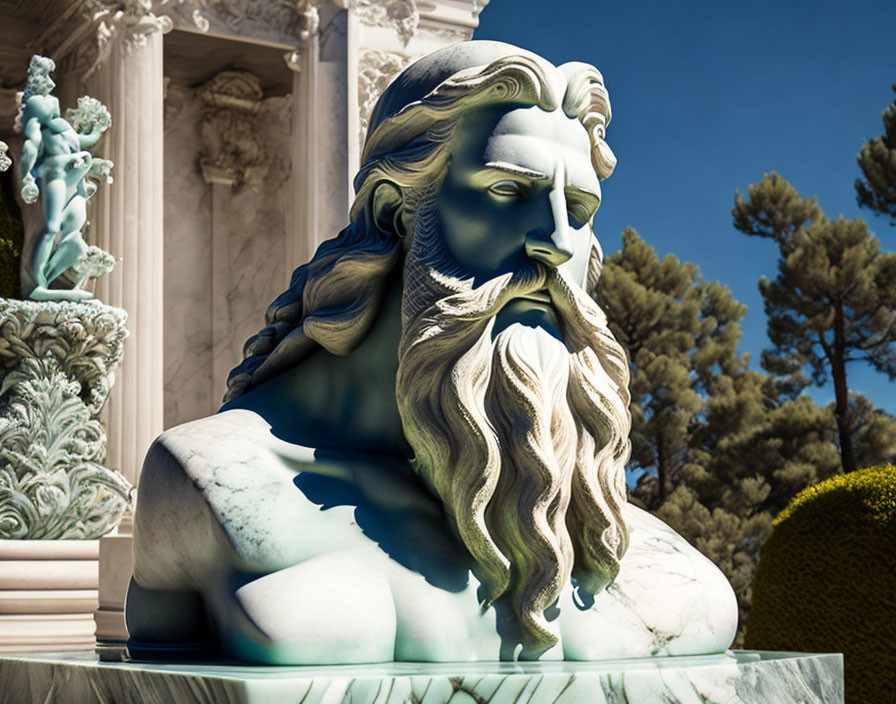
36,100
480,178
39,81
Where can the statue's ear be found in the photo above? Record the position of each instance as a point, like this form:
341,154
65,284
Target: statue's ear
386,205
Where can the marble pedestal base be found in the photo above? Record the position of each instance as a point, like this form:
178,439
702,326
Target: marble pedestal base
48,593
747,677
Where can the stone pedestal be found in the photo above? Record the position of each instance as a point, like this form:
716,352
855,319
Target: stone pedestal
48,592
57,361
747,677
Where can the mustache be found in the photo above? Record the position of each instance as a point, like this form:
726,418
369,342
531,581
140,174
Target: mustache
473,304
459,305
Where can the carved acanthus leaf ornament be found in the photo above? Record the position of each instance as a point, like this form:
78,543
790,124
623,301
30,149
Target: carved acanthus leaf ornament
133,21
56,370
376,69
402,15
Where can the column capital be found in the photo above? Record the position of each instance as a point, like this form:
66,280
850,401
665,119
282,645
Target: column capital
408,17
133,22
82,36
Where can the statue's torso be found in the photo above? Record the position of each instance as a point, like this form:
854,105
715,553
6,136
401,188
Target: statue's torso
60,138
342,559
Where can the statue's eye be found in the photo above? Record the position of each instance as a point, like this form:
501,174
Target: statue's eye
506,189
581,208
580,213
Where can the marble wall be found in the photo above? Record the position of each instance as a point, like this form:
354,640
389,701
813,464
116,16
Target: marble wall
230,241
224,253
188,263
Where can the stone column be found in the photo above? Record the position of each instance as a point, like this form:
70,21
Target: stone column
127,222
300,238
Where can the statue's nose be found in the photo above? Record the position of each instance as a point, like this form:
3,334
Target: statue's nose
553,244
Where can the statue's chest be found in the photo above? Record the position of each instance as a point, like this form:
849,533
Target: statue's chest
63,140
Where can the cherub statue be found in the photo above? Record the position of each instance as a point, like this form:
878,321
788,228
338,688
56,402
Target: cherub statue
56,166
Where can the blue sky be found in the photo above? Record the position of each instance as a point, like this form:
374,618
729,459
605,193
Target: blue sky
710,95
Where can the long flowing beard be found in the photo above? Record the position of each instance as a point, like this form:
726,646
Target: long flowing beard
525,403
524,437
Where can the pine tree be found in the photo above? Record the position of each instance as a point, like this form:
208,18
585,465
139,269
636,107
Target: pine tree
721,448
753,451
653,307
873,433
877,159
833,301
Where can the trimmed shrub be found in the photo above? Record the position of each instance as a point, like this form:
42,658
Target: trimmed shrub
826,580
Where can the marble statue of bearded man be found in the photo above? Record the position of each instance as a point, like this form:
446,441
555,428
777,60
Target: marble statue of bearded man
422,455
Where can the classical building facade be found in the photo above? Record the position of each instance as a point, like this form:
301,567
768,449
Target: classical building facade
237,128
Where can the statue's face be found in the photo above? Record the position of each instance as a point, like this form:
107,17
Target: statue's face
520,186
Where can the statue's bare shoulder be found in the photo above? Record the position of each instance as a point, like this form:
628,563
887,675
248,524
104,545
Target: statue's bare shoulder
226,477
361,548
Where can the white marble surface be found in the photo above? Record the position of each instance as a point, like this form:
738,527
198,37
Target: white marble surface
224,256
248,249
748,677
128,223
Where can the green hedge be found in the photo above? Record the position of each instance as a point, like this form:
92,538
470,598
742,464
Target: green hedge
826,580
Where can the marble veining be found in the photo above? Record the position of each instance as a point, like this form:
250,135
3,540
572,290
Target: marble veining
187,296
743,677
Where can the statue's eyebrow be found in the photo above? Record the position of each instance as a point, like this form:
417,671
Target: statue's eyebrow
516,170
